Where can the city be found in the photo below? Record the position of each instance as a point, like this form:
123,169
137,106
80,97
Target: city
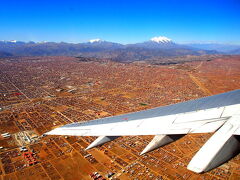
38,94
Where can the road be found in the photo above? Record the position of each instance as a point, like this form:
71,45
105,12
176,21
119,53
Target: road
200,84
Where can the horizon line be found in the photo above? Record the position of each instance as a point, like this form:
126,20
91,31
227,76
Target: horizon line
89,41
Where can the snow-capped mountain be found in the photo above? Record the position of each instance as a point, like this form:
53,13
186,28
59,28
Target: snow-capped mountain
11,42
41,42
101,44
160,39
160,42
95,40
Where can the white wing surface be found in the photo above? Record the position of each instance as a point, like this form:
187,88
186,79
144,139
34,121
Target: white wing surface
196,116
192,122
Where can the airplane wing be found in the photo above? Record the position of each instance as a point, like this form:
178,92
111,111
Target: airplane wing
201,121
196,116
237,132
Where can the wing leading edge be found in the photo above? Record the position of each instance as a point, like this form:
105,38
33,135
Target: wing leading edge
196,116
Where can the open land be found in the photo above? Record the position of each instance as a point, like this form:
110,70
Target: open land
38,94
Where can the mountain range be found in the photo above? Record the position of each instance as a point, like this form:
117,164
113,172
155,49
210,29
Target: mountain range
152,49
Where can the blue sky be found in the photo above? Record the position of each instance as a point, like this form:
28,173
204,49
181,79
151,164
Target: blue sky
123,21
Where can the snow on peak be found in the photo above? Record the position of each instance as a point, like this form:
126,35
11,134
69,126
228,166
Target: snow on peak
11,41
95,40
42,42
161,39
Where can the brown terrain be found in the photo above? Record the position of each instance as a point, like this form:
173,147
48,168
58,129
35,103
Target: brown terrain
38,94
